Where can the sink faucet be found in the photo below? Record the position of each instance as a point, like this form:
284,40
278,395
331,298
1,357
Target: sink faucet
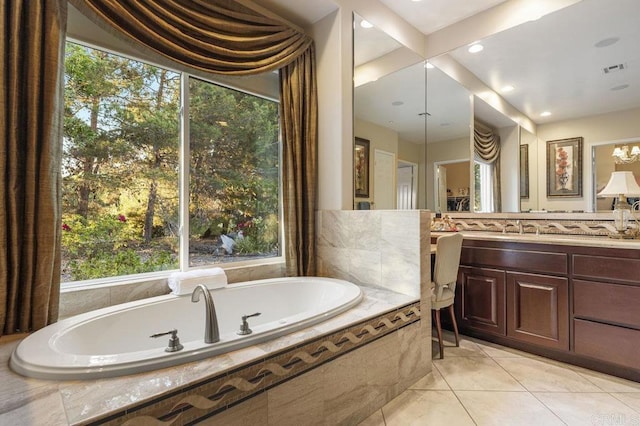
520,227
211,331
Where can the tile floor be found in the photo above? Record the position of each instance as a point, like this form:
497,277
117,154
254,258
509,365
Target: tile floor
481,383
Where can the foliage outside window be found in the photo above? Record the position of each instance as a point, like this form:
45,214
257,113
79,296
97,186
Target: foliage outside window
121,210
483,185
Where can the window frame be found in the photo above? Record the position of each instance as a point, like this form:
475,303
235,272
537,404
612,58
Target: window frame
184,177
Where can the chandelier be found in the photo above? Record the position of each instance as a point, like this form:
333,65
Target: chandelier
622,156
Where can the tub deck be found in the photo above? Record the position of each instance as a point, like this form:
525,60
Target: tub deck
27,401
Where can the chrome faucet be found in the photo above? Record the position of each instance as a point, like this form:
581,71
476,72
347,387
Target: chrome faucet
520,227
211,331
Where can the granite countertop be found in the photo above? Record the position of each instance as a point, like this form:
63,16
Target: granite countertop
26,401
558,239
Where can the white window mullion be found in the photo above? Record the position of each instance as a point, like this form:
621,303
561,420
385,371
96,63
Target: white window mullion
185,156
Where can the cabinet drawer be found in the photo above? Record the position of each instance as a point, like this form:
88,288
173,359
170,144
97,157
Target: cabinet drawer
606,268
607,302
524,260
617,345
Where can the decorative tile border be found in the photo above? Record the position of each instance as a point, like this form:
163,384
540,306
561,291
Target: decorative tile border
543,226
225,390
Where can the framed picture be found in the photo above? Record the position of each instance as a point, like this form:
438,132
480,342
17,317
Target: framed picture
361,168
564,168
524,171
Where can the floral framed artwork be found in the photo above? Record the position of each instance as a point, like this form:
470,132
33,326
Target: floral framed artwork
564,168
361,168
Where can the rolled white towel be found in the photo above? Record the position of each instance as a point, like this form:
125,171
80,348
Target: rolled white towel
185,282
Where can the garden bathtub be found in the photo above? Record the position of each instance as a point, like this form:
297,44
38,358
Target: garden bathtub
115,341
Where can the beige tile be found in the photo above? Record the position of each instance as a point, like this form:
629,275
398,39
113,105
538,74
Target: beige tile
432,381
467,347
415,407
38,406
376,419
497,351
297,401
631,399
506,408
588,408
608,383
250,412
540,376
415,359
74,302
475,373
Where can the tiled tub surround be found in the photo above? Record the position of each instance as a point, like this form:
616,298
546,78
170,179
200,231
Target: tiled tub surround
354,364
386,248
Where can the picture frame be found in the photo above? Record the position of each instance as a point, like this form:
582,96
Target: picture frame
361,167
524,171
564,167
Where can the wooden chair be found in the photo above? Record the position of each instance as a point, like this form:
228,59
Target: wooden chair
445,274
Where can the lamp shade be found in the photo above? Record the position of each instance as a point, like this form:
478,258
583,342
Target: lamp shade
621,183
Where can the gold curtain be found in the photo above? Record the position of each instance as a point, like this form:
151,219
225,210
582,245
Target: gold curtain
299,125
486,144
30,153
225,37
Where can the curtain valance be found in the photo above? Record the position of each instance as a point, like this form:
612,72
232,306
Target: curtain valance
486,143
219,36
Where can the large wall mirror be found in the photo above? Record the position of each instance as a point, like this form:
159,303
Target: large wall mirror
581,65
389,119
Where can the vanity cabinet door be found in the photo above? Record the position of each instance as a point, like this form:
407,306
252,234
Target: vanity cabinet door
538,309
480,299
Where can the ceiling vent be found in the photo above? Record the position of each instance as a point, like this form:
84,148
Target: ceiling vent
614,68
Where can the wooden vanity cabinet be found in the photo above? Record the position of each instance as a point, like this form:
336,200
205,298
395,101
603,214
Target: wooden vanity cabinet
506,289
576,304
482,295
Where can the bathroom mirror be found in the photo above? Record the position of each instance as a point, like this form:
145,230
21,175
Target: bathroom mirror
389,112
605,163
582,65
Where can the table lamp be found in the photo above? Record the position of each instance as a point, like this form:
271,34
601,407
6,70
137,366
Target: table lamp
620,185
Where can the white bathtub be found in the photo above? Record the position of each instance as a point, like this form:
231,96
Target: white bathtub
115,341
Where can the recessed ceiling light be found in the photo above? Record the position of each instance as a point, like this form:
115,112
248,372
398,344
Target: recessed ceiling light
507,88
545,114
620,87
366,24
607,42
397,103
475,48
428,65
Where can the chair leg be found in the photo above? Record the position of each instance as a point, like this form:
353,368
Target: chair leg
439,331
455,324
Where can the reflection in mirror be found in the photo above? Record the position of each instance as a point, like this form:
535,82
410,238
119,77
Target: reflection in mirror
495,182
580,64
605,163
528,174
448,143
389,111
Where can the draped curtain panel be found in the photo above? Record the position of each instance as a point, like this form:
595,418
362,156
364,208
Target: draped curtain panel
224,37
32,50
487,149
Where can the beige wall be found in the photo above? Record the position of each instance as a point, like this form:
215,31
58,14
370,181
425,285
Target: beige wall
595,130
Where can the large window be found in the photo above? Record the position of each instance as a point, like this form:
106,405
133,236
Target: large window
121,170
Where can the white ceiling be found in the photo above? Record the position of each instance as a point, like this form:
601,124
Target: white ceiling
552,62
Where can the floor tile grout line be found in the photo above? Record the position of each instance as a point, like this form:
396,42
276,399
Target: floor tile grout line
547,407
637,410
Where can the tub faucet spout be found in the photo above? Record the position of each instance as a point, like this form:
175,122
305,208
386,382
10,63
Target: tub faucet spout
211,331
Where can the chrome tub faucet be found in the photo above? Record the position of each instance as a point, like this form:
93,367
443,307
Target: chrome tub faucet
211,330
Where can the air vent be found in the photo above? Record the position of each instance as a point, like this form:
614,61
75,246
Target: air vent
614,68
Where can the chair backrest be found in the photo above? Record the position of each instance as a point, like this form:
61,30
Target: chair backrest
448,248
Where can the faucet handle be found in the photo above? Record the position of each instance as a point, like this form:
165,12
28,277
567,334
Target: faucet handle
174,341
244,327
